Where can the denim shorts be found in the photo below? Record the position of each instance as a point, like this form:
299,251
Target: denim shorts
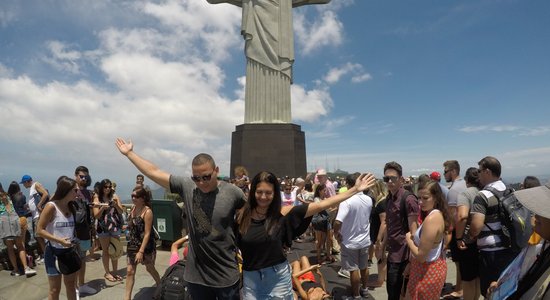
268,283
85,245
50,261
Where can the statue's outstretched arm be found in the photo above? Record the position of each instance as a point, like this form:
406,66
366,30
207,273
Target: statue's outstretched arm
296,3
239,3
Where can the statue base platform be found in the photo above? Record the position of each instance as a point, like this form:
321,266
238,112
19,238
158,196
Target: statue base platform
278,148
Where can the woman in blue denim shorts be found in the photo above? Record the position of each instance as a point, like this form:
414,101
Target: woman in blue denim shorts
264,229
56,225
108,212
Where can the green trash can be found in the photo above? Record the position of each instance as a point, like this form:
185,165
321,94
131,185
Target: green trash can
167,220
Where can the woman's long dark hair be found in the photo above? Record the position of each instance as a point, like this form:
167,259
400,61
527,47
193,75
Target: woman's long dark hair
101,191
273,211
440,203
13,189
64,186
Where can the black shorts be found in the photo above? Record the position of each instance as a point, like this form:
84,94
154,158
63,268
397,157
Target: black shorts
455,252
469,262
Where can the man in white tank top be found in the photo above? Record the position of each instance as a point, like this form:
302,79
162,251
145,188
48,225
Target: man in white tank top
36,191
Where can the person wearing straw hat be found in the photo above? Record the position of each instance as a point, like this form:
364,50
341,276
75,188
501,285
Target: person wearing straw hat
528,275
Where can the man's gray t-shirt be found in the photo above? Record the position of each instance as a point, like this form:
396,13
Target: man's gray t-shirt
458,186
466,198
211,260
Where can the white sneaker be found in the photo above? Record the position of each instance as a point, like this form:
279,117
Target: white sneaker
39,261
85,289
343,273
29,271
77,294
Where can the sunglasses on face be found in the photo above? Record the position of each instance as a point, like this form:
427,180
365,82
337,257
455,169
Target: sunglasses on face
83,177
107,187
388,178
202,178
134,196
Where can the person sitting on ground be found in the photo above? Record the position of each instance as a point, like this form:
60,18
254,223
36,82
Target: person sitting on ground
304,281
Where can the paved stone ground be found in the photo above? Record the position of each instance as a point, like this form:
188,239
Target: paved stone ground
36,287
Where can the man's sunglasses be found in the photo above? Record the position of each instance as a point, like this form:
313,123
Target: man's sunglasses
388,178
202,178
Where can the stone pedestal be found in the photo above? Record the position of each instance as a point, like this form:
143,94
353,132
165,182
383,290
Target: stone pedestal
278,148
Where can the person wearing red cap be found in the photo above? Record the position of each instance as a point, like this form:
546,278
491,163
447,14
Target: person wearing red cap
435,176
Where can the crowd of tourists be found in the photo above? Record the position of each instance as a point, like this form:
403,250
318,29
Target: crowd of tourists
69,225
240,232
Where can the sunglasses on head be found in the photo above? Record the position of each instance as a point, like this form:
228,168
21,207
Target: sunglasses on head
201,178
388,178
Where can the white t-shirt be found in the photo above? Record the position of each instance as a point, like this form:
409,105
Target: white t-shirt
30,201
354,213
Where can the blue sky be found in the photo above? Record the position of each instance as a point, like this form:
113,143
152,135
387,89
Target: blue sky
419,82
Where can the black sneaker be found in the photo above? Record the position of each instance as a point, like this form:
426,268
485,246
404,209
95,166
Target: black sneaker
14,273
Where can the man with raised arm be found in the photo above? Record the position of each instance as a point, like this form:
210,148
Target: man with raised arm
211,269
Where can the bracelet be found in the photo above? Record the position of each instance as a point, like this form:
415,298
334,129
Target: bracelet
140,252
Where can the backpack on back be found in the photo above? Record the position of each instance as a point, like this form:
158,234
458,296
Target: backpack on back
82,219
172,285
515,219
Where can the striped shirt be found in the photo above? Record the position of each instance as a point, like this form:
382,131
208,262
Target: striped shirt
491,236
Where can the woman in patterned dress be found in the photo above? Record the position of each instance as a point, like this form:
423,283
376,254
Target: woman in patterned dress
141,243
428,267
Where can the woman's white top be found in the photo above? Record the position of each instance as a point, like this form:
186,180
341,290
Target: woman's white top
61,226
434,253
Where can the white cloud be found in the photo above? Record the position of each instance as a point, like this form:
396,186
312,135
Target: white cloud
358,74
5,71
325,31
519,130
309,106
361,78
489,128
536,131
62,58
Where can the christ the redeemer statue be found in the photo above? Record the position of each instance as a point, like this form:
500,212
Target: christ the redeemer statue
269,49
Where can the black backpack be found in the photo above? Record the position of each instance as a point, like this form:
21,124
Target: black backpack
172,285
82,219
514,217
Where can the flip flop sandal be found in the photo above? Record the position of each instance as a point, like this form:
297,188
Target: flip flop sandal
110,277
